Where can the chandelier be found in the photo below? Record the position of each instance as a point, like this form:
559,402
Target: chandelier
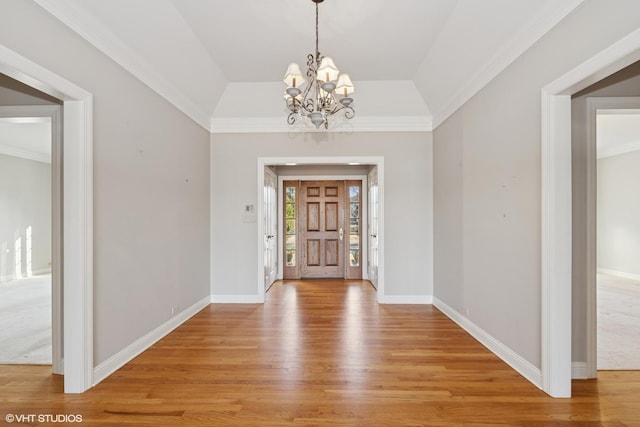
325,94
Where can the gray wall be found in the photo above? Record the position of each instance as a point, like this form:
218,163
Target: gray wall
25,201
151,184
495,155
619,213
625,82
407,210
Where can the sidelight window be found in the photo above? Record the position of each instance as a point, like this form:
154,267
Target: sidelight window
290,226
354,225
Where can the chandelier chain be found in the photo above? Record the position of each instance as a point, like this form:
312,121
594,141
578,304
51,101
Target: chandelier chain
317,50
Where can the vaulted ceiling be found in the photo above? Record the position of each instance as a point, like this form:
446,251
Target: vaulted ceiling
221,62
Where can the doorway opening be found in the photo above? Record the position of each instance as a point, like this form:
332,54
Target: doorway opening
323,219
322,230
31,230
613,244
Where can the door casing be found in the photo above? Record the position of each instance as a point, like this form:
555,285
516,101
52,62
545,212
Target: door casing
78,213
556,206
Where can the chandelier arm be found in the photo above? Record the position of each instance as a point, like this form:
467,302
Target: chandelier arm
349,113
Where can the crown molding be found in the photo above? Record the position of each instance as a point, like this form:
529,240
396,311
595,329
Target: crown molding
85,25
621,149
357,124
519,44
24,154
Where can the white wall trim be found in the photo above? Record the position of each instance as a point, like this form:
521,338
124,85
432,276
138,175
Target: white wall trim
100,37
528,35
622,274
78,213
511,358
125,355
357,124
236,299
556,245
406,299
579,371
556,206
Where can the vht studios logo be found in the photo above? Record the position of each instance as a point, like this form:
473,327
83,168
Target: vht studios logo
43,418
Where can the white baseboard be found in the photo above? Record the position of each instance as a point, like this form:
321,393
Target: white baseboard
622,274
511,358
405,299
579,371
41,271
236,299
124,356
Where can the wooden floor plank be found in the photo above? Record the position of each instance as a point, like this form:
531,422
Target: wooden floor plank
320,353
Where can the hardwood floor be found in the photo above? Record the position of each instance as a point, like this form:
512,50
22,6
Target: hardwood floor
320,353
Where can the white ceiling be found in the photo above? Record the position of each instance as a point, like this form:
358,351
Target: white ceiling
202,54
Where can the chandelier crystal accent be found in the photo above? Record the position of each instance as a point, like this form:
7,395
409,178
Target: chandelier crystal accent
326,92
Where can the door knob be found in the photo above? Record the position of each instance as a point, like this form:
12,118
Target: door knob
341,233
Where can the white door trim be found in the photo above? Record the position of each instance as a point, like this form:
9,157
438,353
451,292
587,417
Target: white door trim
275,161
78,213
556,206
54,113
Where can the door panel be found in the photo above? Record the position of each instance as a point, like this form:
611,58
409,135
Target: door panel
322,233
373,227
313,252
332,252
313,216
270,228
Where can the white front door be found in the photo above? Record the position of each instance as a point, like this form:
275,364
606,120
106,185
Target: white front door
373,227
270,228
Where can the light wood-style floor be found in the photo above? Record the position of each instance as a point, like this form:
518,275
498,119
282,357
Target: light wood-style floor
618,323
320,353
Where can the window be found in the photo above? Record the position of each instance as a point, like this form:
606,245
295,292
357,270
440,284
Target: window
290,225
354,225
